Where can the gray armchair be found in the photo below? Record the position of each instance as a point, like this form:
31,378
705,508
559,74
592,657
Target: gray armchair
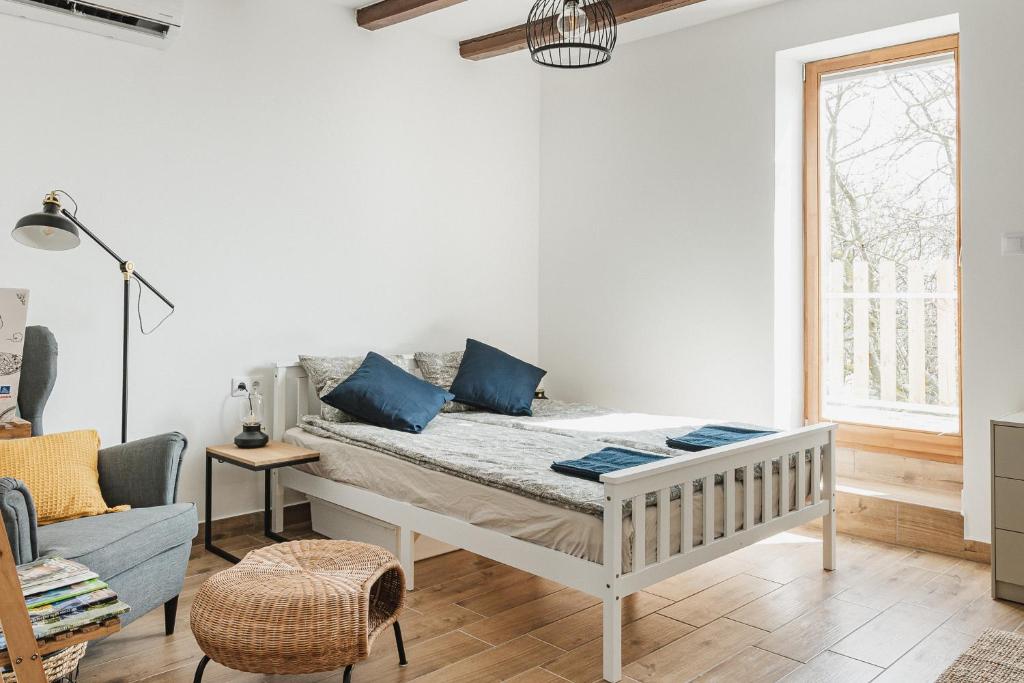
38,375
141,553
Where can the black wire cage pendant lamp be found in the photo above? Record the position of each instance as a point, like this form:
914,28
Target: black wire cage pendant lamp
571,34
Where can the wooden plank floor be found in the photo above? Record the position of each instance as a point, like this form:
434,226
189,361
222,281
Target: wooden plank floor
765,613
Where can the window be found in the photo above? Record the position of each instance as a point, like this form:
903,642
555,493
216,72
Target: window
882,239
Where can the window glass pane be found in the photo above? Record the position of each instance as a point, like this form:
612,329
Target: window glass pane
888,202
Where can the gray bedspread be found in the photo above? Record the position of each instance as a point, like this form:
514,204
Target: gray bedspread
515,453
516,460
638,431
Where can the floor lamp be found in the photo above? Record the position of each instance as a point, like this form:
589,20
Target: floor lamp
56,229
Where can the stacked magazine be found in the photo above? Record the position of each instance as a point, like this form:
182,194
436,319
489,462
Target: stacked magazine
63,596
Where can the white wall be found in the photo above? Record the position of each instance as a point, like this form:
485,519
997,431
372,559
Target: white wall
657,216
297,184
293,183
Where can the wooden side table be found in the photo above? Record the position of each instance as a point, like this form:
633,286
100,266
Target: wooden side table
275,454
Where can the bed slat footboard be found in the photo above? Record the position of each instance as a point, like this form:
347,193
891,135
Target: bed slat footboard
807,494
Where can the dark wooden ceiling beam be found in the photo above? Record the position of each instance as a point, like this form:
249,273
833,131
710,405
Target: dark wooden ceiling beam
390,12
514,39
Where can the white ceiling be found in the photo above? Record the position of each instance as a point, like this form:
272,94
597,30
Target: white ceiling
478,17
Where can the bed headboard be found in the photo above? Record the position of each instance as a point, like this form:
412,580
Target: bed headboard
293,396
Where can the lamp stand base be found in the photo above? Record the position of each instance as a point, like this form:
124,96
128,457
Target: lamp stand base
251,437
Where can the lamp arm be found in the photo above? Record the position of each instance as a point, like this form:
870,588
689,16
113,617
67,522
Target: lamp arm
103,245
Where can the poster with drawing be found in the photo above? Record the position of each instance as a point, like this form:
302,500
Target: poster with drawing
13,314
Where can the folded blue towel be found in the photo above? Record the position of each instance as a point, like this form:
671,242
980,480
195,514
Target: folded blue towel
606,460
713,436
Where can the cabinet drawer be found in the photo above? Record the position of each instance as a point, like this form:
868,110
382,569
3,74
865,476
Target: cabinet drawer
1009,503
1009,557
1008,451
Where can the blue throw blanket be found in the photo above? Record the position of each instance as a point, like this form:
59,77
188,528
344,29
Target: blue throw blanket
713,436
606,460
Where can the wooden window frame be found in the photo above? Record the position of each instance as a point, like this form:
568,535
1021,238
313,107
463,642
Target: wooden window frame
898,441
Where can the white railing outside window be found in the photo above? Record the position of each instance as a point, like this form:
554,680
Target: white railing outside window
890,337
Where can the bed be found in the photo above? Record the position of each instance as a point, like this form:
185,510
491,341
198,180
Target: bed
455,483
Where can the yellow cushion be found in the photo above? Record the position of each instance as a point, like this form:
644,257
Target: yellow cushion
61,472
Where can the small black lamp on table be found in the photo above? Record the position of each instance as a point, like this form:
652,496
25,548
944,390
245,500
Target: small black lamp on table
57,229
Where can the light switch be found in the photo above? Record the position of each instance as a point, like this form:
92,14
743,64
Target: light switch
1013,244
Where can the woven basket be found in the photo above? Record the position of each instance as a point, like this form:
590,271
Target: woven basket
300,607
60,664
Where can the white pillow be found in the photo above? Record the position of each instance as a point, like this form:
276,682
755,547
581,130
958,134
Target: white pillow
327,372
440,370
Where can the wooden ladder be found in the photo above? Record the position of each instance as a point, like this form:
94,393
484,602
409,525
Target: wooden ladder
24,652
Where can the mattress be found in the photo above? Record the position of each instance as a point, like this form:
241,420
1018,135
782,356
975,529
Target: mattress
576,532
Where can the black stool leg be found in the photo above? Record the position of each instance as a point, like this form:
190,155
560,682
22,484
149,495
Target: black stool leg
348,674
200,669
402,661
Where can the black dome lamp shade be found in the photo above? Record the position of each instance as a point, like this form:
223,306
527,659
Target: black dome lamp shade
48,229
57,229
571,34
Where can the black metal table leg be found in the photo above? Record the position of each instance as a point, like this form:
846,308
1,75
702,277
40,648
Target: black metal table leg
208,531
267,513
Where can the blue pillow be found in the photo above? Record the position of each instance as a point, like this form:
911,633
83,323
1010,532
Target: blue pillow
493,380
382,393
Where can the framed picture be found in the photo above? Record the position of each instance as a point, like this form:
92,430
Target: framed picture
13,314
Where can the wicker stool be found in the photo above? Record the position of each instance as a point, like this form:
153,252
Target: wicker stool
299,607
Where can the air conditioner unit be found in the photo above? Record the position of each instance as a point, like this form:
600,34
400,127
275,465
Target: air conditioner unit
146,22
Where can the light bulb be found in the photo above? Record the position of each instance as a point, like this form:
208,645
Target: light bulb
573,20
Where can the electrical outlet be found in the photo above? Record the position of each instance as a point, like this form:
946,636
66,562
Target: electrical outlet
1013,243
244,382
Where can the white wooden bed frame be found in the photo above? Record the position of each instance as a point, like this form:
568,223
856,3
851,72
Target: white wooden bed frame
606,580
